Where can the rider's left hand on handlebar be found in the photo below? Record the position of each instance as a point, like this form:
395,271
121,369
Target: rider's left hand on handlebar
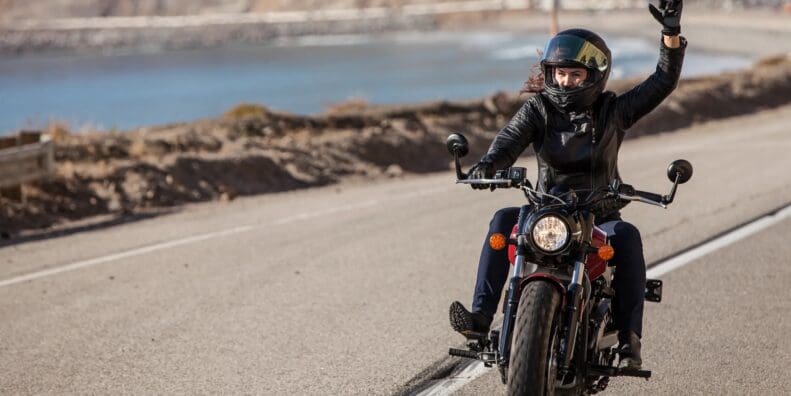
669,15
481,170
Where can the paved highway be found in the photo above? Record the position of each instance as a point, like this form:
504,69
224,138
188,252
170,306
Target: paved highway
344,290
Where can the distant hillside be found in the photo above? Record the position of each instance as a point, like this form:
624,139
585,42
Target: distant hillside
25,9
98,8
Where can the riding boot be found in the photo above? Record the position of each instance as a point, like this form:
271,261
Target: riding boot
466,322
629,352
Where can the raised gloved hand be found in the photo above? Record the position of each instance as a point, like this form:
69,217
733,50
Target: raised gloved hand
669,15
481,170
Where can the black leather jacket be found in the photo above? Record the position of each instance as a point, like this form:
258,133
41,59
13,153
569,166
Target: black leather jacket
581,150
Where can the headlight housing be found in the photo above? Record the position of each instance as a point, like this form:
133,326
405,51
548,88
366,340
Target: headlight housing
550,233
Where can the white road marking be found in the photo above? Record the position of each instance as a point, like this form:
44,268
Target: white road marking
118,256
472,371
202,237
725,240
457,379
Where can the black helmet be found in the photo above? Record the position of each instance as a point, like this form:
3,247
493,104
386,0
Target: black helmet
576,48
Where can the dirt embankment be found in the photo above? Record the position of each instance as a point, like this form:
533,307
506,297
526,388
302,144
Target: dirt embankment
253,150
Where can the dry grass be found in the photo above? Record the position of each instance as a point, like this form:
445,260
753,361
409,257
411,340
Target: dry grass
245,110
57,131
351,105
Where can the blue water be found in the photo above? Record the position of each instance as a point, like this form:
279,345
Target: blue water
304,75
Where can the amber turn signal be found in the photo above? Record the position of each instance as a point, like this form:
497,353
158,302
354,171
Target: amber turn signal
497,241
606,252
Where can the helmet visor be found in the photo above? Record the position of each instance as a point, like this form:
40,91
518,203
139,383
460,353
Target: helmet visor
572,49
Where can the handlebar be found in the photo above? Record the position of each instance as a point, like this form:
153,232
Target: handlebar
516,177
505,182
679,172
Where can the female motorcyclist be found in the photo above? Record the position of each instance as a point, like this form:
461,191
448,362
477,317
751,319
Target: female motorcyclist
576,130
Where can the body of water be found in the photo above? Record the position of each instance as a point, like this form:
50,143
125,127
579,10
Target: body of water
300,75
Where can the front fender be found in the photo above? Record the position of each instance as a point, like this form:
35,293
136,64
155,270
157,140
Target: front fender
545,277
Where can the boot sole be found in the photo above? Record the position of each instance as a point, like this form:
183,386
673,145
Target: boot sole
630,364
460,318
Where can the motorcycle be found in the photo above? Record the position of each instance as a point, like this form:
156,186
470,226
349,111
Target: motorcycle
557,334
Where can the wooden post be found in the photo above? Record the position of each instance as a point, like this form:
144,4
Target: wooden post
7,142
17,193
14,192
28,137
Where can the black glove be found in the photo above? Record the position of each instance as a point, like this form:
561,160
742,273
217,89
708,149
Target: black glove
669,16
481,170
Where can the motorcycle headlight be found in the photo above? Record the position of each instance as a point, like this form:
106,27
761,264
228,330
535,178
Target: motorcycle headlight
550,233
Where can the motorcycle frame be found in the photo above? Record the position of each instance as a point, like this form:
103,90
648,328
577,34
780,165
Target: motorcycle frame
579,287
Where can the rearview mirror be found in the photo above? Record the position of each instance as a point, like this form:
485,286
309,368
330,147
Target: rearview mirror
457,145
682,169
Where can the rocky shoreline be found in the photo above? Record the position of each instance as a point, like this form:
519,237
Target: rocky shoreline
252,150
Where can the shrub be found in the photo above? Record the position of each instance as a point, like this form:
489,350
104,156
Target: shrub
245,110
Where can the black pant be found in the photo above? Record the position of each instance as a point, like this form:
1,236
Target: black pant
629,282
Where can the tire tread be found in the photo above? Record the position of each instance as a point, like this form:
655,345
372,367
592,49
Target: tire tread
538,307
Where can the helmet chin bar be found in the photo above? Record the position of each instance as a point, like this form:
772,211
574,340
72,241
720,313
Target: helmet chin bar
578,88
576,99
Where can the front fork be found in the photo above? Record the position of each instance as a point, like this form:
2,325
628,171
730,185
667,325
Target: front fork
512,303
521,269
574,297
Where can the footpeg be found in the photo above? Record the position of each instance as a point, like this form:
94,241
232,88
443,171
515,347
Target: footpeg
463,353
633,373
606,371
653,290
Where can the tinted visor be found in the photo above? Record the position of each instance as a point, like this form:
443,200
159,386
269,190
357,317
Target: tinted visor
572,49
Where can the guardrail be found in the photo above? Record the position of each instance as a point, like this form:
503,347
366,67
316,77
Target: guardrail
27,157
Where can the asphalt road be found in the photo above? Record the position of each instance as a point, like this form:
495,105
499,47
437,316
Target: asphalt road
344,290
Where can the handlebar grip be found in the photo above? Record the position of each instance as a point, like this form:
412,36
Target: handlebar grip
648,195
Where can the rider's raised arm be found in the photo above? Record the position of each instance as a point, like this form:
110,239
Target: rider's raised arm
640,100
514,138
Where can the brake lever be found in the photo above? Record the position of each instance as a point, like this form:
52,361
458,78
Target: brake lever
641,199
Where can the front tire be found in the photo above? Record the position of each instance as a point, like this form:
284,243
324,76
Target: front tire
532,366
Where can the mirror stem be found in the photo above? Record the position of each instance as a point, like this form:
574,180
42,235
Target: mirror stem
459,174
667,199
